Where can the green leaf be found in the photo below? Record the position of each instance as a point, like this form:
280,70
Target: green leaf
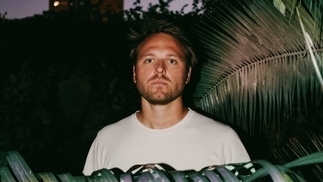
211,175
226,174
79,178
126,177
5,175
159,175
268,168
178,176
197,177
314,158
144,177
287,173
46,177
104,174
20,168
66,177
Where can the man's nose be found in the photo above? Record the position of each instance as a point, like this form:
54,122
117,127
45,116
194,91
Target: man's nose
160,67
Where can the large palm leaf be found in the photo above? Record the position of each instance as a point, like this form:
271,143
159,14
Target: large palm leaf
258,67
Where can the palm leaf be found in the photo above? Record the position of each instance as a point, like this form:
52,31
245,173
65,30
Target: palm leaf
47,177
20,167
5,175
66,177
257,65
248,171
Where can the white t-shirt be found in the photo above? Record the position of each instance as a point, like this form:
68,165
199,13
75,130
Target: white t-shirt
193,143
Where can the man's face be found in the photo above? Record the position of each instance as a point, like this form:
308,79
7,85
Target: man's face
160,72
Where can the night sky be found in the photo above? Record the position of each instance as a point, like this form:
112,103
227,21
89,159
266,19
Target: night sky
26,8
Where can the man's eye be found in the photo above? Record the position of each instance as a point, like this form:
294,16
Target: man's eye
148,61
172,61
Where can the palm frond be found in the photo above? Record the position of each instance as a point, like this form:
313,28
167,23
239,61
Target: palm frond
248,171
257,65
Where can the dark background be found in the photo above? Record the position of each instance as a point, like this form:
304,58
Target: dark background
64,76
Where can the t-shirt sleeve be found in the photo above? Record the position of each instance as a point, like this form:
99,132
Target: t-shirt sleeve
91,163
234,151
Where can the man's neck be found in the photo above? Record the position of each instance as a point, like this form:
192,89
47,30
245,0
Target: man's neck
161,116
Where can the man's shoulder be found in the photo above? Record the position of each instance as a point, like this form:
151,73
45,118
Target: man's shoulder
208,122
117,126
207,118
212,129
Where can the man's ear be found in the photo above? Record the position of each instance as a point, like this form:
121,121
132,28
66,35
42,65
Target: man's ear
188,77
134,74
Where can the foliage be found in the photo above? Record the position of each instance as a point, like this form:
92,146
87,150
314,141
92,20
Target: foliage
66,75
259,74
3,16
199,7
14,167
266,72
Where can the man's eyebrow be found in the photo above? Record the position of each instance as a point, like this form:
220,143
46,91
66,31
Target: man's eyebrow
174,55
146,55
168,55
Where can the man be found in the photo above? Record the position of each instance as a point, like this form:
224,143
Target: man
164,130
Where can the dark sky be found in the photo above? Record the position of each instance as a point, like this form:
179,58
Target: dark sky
26,8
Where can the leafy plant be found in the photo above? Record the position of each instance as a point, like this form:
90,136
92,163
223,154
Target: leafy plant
14,168
259,72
